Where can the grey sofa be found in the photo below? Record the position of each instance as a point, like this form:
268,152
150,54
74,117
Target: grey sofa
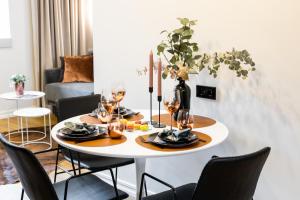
55,89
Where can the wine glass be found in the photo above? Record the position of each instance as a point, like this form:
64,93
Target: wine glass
185,120
116,129
118,92
106,107
171,104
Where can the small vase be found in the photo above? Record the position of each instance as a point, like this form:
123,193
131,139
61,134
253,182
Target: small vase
183,94
19,88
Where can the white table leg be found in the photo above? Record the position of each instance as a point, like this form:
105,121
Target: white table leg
21,118
50,138
8,128
140,164
27,134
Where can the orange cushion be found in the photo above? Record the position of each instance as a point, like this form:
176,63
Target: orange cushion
78,69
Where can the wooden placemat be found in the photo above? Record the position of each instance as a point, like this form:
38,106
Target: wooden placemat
101,142
93,120
202,136
199,121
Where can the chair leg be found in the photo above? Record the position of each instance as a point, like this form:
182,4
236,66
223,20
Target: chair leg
22,194
66,189
114,183
56,163
79,165
145,187
72,161
116,175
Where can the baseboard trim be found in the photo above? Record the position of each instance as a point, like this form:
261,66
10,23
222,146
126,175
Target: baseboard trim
126,186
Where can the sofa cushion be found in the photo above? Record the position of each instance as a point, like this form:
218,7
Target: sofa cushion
78,69
55,91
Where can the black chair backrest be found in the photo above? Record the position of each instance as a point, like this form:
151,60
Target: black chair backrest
33,177
70,107
231,178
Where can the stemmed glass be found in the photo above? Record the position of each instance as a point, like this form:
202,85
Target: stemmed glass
118,92
185,120
106,108
171,104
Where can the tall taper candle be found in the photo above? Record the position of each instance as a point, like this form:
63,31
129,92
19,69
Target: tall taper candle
159,78
151,70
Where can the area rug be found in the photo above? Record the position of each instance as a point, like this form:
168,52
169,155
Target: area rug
8,174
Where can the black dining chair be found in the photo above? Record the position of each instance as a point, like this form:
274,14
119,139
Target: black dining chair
70,107
38,186
228,178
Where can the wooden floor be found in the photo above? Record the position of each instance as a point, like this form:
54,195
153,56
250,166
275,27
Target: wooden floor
32,122
7,172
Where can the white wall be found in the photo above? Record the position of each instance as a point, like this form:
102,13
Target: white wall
261,111
17,58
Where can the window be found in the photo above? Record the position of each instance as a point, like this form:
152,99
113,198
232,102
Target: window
5,36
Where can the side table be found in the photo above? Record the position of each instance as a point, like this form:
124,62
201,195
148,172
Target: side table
11,96
31,113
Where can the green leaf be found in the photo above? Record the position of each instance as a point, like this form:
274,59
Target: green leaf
186,37
164,75
244,72
170,51
176,47
195,48
183,47
184,21
175,37
164,31
187,32
175,67
160,49
216,67
193,22
173,60
197,57
179,31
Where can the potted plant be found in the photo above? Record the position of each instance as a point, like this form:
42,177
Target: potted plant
183,58
18,80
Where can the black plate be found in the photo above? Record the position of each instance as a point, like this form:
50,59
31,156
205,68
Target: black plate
154,139
125,112
65,133
185,137
128,113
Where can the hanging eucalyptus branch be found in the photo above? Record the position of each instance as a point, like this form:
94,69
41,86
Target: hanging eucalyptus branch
183,57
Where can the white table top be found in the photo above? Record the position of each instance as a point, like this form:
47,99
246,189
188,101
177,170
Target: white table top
28,95
130,149
32,112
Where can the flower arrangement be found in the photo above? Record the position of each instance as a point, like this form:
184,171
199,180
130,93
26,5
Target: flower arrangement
18,82
183,57
18,78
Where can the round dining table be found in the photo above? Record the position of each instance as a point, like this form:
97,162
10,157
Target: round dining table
131,148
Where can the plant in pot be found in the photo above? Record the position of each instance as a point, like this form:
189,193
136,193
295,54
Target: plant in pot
18,80
183,58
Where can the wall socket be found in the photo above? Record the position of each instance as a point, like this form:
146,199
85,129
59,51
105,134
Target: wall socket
206,92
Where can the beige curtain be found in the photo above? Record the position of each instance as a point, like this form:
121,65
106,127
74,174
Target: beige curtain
59,27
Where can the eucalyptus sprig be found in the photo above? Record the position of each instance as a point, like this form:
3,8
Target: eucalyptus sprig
183,57
18,78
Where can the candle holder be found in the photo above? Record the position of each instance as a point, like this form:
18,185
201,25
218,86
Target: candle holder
159,125
151,91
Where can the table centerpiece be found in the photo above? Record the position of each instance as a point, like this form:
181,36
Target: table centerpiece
183,58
